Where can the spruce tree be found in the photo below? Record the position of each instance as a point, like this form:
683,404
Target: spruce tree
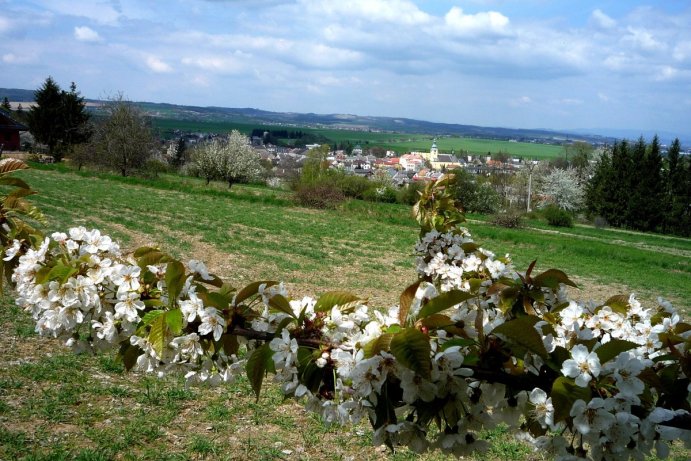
59,118
6,105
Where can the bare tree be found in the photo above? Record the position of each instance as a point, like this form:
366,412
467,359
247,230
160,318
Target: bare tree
124,141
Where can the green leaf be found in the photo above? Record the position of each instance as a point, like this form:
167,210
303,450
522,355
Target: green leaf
395,328
281,304
128,354
522,333
153,302
23,190
42,275
61,272
444,301
158,334
230,344
406,301
256,367
412,349
151,316
618,304
175,279
551,278
251,290
377,345
174,321
613,348
437,321
214,299
564,393
469,247
457,342
149,256
334,298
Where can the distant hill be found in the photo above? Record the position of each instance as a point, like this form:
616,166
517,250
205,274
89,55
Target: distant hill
341,121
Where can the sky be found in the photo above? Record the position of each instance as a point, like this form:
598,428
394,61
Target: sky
575,64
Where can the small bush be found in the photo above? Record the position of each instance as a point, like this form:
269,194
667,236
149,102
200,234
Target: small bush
600,222
352,186
509,219
319,196
380,194
557,217
153,167
408,195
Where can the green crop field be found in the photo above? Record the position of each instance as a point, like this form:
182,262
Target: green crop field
399,142
55,405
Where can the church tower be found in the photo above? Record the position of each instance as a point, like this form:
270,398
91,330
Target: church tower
433,152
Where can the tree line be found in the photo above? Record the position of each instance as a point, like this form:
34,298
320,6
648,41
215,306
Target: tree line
634,187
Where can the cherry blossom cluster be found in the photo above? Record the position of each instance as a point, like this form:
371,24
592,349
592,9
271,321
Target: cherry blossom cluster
449,259
585,388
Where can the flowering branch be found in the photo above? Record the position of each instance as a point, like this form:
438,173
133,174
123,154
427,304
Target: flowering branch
472,344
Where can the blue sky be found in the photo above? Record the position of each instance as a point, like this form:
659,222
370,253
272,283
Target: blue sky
526,64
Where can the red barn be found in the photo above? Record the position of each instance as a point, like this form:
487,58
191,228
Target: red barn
9,131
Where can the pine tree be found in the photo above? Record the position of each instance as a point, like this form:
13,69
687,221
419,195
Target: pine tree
596,190
649,213
59,119
75,118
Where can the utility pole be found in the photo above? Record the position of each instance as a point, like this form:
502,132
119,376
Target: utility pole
531,165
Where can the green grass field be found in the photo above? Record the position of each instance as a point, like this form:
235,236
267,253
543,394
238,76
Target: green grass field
399,142
58,406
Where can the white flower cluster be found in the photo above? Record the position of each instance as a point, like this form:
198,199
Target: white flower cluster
442,257
606,423
342,362
80,288
94,292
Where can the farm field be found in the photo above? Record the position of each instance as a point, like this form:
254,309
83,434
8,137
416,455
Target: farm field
56,405
399,142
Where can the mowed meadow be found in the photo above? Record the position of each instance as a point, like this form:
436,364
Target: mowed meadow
56,405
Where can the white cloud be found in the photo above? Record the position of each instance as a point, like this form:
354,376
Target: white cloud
603,97
218,64
86,34
643,39
5,24
13,58
520,101
157,65
99,11
483,23
666,73
601,20
375,11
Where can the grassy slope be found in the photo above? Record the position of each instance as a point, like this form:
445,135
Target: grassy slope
54,405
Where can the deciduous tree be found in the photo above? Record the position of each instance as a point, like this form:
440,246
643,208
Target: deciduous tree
124,141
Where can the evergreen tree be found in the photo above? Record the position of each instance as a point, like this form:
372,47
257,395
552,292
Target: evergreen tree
616,199
646,204
6,105
78,130
59,118
677,194
596,189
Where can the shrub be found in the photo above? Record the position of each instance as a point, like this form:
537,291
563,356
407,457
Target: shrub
351,186
408,195
154,167
508,219
600,222
557,217
380,194
319,196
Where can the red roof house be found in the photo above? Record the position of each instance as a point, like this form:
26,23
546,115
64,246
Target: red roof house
9,131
